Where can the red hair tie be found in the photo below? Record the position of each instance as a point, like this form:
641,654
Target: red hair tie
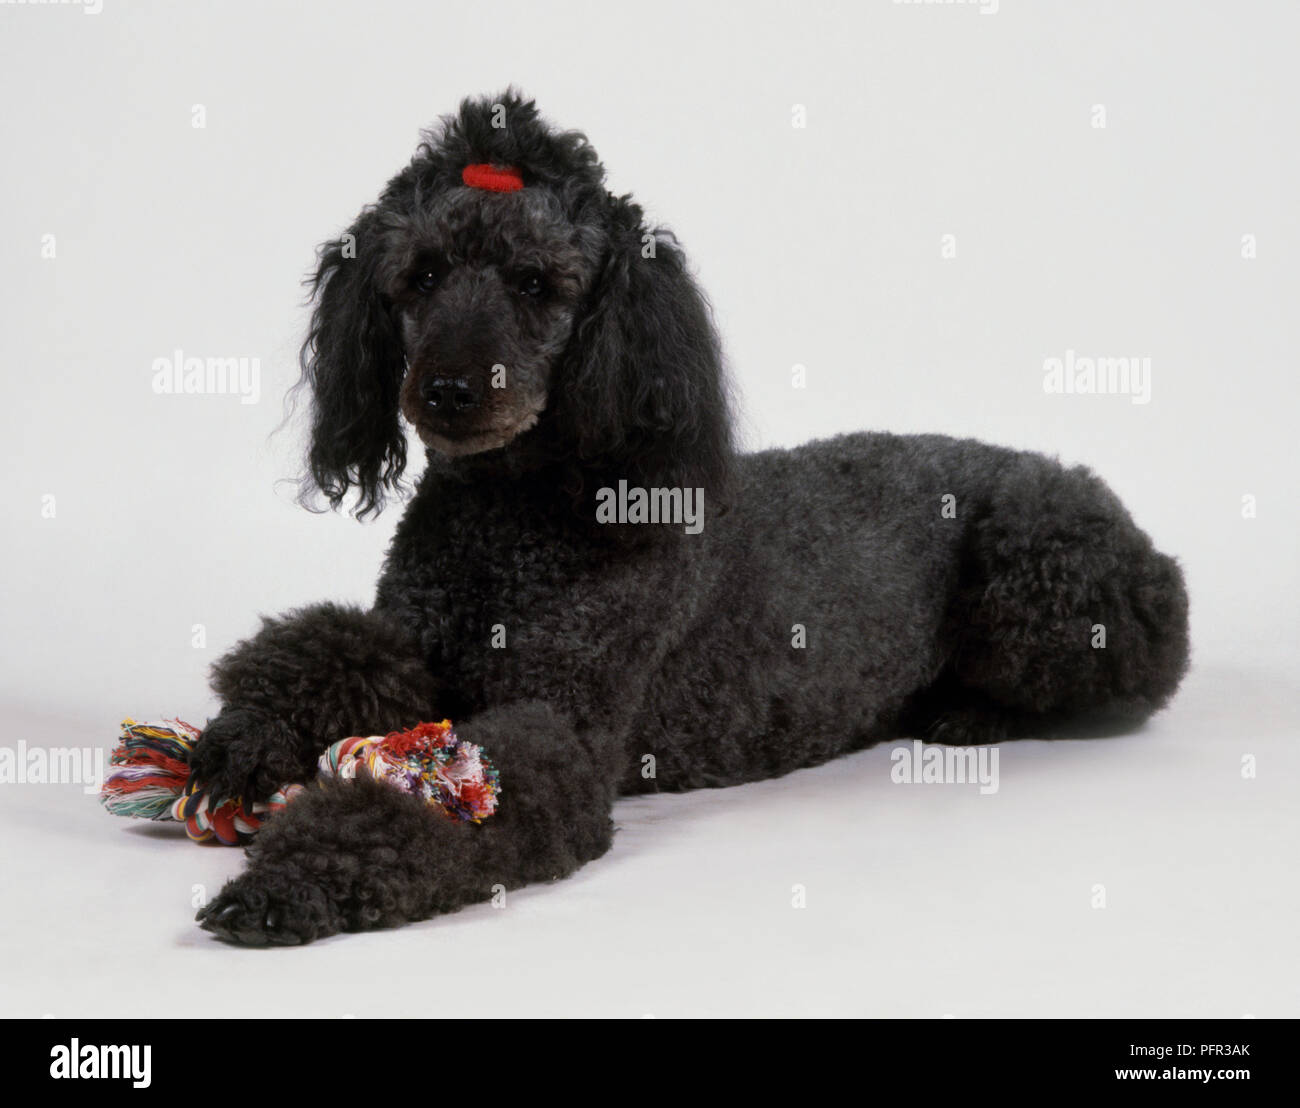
493,178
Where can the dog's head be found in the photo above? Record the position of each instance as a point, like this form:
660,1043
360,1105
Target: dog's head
510,308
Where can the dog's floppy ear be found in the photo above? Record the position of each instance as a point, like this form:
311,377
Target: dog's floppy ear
644,395
353,363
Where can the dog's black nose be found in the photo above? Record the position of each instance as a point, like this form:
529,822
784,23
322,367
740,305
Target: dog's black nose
448,396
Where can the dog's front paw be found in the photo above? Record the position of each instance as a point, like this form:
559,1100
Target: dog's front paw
254,911
347,856
247,755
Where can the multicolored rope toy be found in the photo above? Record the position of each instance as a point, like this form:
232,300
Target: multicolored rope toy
151,779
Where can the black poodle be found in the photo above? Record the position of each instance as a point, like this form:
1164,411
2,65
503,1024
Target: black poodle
596,587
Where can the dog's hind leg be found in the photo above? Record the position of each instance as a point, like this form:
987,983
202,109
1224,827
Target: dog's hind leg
1065,613
353,856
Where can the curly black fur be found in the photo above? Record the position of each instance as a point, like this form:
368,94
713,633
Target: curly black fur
635,657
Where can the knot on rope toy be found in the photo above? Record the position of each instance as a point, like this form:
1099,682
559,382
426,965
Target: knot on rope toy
428,761
150,778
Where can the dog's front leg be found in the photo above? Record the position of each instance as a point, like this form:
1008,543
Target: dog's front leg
308,679
352,856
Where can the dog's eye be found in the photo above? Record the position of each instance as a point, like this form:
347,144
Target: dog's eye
531,285
426,281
